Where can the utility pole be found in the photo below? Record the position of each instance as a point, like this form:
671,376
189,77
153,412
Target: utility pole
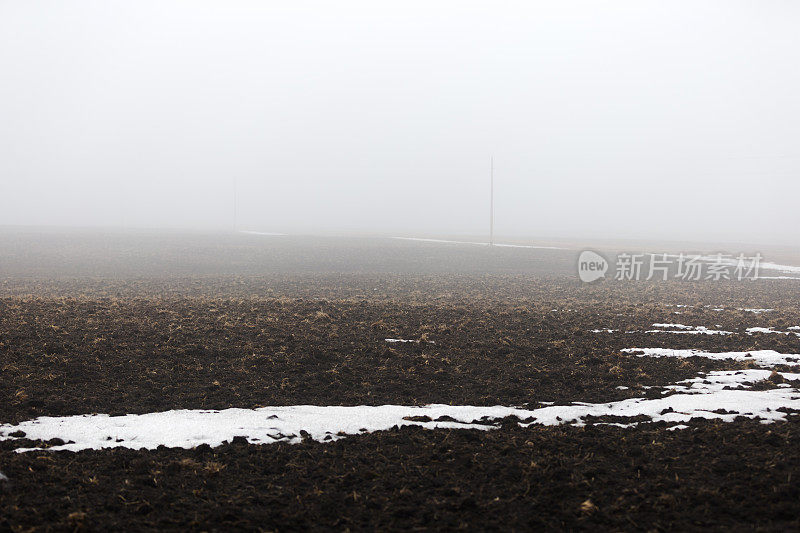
491,202
235,206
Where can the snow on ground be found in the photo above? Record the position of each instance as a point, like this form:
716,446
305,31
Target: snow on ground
190,428
734,262
750,331
672,328
762,330
529,246
689,402
248,232
722,395
692,330
756,311
785,269
718,395
767,358
408,340
721,380
444,241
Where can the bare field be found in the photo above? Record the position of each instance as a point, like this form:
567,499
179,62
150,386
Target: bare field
149,324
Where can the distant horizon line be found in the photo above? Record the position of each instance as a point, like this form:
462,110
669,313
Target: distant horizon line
443,236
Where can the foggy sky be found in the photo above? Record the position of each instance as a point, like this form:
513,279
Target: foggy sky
666,120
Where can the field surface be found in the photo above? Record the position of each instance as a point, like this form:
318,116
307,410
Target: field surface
131,324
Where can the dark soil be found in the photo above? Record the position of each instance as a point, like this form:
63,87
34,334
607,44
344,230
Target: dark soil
721,476
112,341
71,355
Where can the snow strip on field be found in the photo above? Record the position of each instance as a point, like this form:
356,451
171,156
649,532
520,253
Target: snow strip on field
692,330
729,261
756,311
786,269
701,330
529,246
717,395
722,380
750,331
248,232
723,395
419,239
762,330
768,358
190,428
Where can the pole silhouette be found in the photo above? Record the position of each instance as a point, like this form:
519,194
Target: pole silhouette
235,205
491,201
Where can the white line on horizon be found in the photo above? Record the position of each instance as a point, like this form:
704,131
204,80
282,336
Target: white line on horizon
249,232
445,241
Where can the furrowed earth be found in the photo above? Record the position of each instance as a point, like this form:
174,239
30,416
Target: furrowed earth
135,323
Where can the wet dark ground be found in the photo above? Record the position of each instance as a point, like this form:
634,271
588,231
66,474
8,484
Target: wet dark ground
143,323
720,476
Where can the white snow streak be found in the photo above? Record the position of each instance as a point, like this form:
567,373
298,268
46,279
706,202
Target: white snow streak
409,340
444,241
692,330
717,395
248,232
723,395
761,357
750,331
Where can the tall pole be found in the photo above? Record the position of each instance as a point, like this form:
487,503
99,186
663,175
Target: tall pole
235,206
491,202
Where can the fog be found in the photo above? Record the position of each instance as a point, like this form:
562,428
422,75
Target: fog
624,119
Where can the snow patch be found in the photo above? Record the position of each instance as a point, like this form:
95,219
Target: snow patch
734,262
190,428
445,241
248,232
721,395
768,358
724,405
750,331
692,330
